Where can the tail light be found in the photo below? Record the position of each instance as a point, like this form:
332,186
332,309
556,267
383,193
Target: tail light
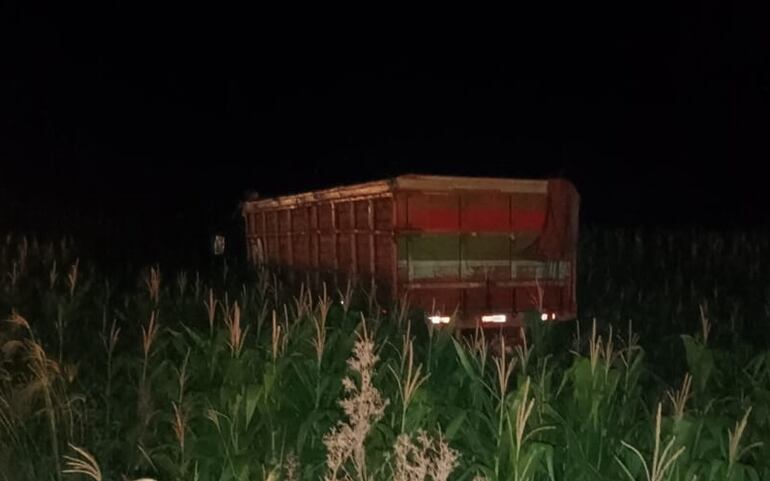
439,319
494,318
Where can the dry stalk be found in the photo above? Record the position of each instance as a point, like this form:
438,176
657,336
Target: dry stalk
523,412
479,347
303,304
152,283
347,296
372,297
403,309
426,458
45,371
84,464
630,347
409,379
319,323
291,468
734,437
680,397
319,340
662,461
211,309
406,339
182,376
524,352
149,334
363,407
324,303
18,320
236,335
594,348
504,368
276,338
608,353
180,427
72,277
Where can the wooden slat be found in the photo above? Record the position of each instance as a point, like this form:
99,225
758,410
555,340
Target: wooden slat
394,249
335,258
406,182
290,242
372,255
317,260
353,250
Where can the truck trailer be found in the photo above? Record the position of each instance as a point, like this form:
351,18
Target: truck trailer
466,250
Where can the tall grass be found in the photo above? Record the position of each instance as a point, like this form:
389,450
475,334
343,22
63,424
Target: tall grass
237,376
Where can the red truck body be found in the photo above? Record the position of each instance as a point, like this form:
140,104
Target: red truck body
482,251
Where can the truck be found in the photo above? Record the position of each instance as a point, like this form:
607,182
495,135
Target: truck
470,251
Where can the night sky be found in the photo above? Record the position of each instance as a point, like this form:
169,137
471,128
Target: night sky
158,121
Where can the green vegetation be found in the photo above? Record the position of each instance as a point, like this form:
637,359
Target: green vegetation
233,375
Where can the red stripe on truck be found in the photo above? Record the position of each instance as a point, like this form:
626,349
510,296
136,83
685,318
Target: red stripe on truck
527,220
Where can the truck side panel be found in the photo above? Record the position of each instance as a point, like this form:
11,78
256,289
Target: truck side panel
481,251
344,237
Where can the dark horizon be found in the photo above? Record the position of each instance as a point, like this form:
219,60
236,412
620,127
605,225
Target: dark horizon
169,129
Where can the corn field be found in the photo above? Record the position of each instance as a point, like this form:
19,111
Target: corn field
235,375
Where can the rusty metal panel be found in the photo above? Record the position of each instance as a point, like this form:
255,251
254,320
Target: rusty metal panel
361,213
552,297
353,254
539,269
443,301
528,212
314,249
299,220
370,239
273,249
444,183
284,249
384,255
344,216
328,251
500,297
430,256
476,244
526,298
301,249
363,254
401,210
383,214
433,212
284,223
476,300
344,254
313,217
251,224
485,212
486,256
402,250
272,221
325,217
